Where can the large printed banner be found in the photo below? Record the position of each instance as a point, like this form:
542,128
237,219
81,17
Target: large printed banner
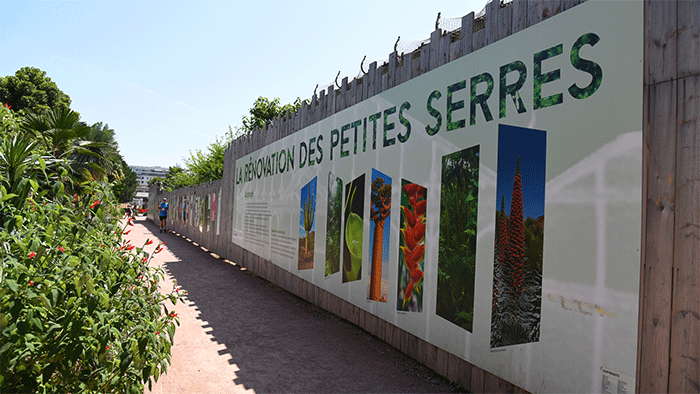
491,207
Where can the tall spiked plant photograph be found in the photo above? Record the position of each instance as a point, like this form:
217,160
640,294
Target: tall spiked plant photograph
519,237
379,235
307,225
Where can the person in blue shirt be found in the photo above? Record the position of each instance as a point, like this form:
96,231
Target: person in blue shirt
163,213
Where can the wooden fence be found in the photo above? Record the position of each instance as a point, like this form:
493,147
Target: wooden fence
669,305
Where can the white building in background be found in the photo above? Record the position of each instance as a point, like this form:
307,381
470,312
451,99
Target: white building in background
143,175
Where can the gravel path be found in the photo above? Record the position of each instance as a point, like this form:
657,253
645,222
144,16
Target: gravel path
241,334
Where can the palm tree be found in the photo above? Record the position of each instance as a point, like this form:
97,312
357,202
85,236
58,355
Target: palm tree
67,139
104,158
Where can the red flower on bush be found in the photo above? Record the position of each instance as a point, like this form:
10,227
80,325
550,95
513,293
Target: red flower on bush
149,241
127,233
60,249
31,283
8,106
31,255
96,203
143,261
130,247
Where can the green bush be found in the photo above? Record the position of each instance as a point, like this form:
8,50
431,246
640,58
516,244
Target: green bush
80,309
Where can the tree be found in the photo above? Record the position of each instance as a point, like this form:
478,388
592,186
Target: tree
30,90
207,166
124,188
64,139
104,161
380,209
264,111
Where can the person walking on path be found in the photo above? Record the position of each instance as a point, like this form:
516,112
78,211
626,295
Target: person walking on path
163,213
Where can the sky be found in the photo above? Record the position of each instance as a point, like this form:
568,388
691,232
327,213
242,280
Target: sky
171,76
531,146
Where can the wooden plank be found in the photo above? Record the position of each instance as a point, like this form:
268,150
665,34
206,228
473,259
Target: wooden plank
655,290
550,8
685,324
567,4
344,99
467,33
322,106
660,40
378,88
477,382
453,363
455,50
415,63
385,80
491,22
505,22
422,352
350,94
424,60
431,356
444,50
434,50
479,39
381,329
442,362
465,375
330,101
363,88
534,12
494,384
688,38
391,74
371,79
519,17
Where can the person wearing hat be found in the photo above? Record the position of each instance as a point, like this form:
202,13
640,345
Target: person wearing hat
163,213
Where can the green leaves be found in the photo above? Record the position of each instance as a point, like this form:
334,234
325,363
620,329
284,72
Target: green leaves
77,314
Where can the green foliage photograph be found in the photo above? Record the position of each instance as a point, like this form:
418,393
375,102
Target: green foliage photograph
333,222
457,243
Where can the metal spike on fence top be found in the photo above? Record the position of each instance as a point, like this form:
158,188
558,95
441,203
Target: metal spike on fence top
361,64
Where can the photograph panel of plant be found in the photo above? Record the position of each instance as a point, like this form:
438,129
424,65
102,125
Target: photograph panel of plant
354,228
379,232
411,247
457,243
519,238
334,218
307,225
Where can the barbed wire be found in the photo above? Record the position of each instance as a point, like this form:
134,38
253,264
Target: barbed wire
403,46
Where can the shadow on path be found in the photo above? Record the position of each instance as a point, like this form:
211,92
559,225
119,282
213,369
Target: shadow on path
281,343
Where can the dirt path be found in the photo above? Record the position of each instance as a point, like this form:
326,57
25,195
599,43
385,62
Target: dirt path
239,333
